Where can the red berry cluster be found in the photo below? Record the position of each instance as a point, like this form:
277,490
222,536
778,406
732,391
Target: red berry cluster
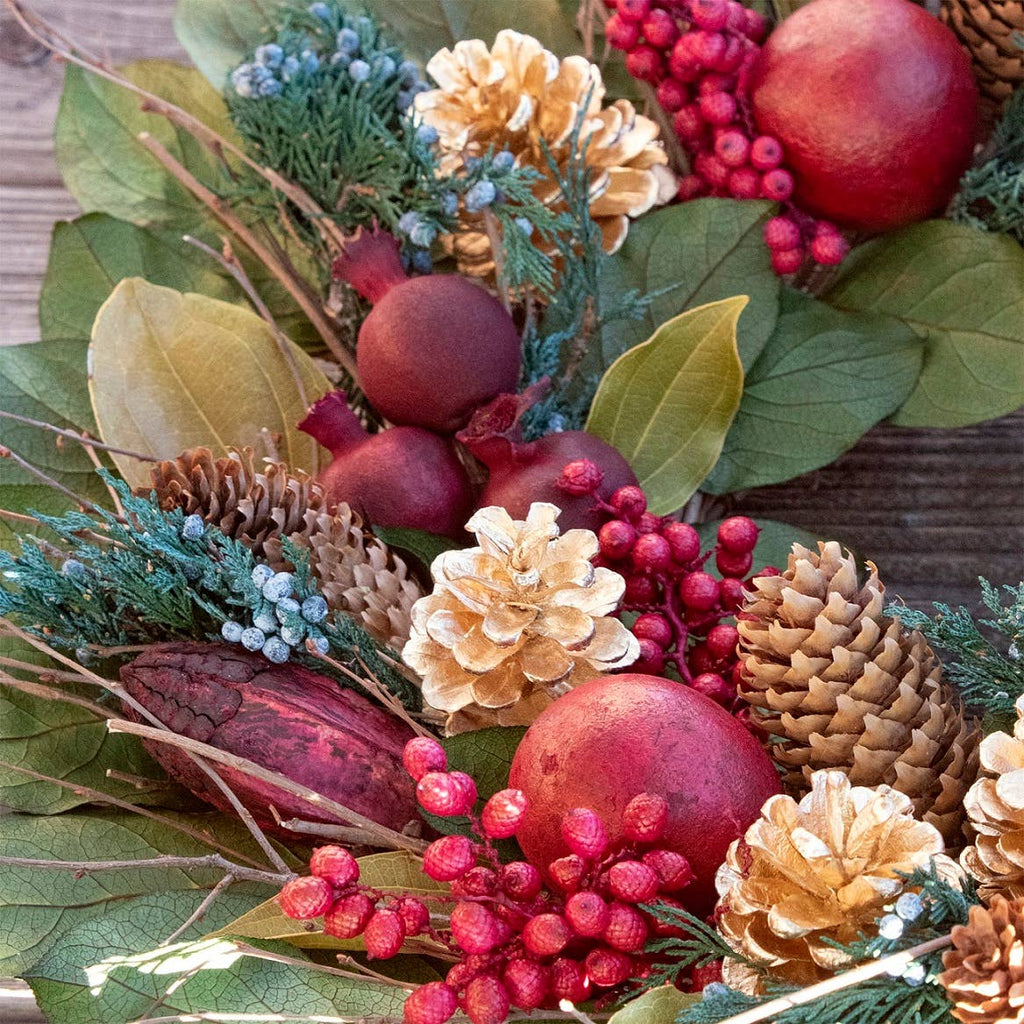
681,605
698,56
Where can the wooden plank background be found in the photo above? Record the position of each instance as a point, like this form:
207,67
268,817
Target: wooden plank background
933,508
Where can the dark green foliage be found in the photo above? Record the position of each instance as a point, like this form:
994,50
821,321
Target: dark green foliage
987,677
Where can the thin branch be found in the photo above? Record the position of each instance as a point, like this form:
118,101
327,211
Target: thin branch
47,692
84,503
369,974
73,435
200,912
494,237
340,833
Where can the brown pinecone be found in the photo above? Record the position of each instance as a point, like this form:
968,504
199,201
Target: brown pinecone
845,686
254,506
986,29
984,971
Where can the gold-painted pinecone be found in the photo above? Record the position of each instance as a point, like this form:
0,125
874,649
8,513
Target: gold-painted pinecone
516,621
517,95
987,29
984,971
845,686
995,812
819,870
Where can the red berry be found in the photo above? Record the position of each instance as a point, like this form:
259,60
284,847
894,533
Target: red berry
587,913
682,62
305,898
634,10
712,169
709,14
708,46
567,872
626,930
645,818
475,928
569,981
732,56
713,686
546,934
683,540
688,123
660,29
633,881
422,755
348,916
448,858
777,185
462,973
756,27
640,590
414,914
621,33
584,832
732,148
732,564
519,880
478,881
662,929
787,261
701,977
648,523
616,539
432,1003
486,1000
645,63
779,233
651,660
651,553
712,82
745,183
527,983
718,108
629,502
693,185
722,640
673,869
672,95
503,814
651,626
700,660
334,864
828,246
608,967
468,786
383,935
442,794
699,591
731,593
580,477
766,153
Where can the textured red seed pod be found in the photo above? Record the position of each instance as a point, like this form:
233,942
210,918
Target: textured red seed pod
526,983
673,869
608,967
633,881
569,980
335,865
503,814
567,872
584,832
626,930
475,928
645,817
433,1003
414,914
383,935
286,719
487,1000
348,917
519,880
546,934
587,913
448,858
305,898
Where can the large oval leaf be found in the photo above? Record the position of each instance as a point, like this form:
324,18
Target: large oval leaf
170,371
668,403
690,254
963,291
824,378
658,1006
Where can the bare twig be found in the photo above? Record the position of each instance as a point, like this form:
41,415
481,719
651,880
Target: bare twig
692,509
339,833
369,974
200,912
84,503
74,435
494,236
47,692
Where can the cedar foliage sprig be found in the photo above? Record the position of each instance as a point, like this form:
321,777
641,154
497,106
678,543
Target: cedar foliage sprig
987,678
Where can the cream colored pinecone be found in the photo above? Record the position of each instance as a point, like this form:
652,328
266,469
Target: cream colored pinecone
988,29
984,971
845,686
821,869
256,506
517,96
359,574
995,812
516,621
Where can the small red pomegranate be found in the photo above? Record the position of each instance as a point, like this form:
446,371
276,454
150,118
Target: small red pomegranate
405,476
433,348
875,106
617,736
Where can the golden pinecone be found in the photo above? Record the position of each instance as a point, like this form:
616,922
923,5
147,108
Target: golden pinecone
986,28
995,812
254,506
845,686
821,869
359,574
517,620
984,971
516,96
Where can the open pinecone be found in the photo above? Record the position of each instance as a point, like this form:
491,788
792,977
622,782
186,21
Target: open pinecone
995,811
845,686
984,971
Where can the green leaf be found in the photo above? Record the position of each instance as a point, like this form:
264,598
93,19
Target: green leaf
658,1006
774,543
690,255
172,371
421,545
824,378
668,403
37,905
961,290
106,167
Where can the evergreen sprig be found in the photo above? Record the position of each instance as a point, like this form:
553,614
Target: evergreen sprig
987,677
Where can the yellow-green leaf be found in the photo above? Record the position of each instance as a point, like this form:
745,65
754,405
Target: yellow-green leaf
169,371
659,1006
668,403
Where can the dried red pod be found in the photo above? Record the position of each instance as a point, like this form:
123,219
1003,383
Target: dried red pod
284,718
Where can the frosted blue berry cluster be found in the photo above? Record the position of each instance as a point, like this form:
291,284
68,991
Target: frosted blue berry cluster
284,621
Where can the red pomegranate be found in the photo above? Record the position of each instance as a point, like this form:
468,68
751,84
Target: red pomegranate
616,736
876,108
